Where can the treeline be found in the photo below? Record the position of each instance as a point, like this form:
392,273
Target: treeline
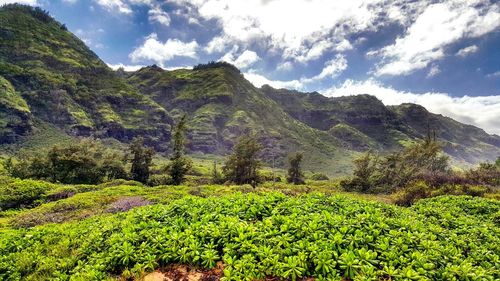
90,162
419,171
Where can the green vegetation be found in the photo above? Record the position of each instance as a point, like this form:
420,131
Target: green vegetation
295,174
83,162
259,235
142,158
419,171
242,165
179,165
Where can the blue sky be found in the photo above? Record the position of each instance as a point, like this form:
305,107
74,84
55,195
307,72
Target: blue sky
441,54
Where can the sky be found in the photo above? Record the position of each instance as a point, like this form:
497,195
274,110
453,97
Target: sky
444,55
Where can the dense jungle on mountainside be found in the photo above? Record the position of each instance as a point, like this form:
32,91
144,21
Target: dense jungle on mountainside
211,171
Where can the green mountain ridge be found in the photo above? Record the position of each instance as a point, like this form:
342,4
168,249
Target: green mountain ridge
49,76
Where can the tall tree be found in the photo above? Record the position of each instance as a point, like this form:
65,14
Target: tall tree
142,157
242,165
295,174
216,175
180,165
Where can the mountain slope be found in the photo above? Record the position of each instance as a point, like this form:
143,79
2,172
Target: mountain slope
365,123
50,79
65,83
222,105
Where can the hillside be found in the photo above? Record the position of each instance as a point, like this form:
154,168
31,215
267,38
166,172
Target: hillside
64,83
48,76
363,122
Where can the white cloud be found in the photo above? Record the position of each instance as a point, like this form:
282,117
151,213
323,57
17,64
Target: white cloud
343,46
307,54
217,45
433,71
436,28
154,50
285,66
115,5
332,68
467,51
495,74
259,80
25,2
480,111
70,1
157,14
282,24
244,60
125,67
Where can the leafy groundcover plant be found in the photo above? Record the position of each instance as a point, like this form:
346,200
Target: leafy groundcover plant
271,234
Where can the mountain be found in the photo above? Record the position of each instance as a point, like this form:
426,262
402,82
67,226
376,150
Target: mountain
363,122
48,76
64,83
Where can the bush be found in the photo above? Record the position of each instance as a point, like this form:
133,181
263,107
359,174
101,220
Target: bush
85,162
319,177
412,193
420,189
16,193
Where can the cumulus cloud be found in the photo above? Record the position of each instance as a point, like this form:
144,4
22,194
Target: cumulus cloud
281,23
217,45
482,111
125,66
467,51
436,28
244,60
115,5
285,66
157,14
332,68
154,50
259,80
433,71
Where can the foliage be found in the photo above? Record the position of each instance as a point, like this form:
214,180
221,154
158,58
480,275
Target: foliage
319,177
242,165
180,165
295,174
141,158
325,237
218,64
486,173
17,193
374,173
216,177
84,162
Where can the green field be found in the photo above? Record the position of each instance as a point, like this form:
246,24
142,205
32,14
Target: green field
276,230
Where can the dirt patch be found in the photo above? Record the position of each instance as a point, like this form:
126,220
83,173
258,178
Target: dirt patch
185,273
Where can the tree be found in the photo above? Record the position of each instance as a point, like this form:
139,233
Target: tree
364,168
242,165
142,158
295,174
216,175
180,165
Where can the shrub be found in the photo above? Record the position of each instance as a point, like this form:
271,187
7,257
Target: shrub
319,177
17,193
412,193
84,162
